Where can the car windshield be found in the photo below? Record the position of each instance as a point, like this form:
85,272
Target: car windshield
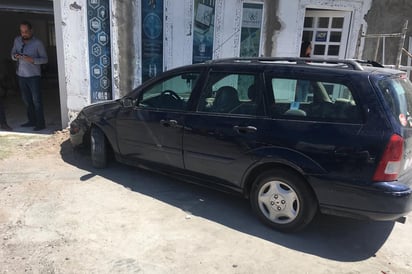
397,92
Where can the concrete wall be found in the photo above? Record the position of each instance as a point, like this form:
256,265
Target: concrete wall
387,17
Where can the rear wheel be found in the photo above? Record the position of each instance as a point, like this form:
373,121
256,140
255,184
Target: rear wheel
283,200
98,146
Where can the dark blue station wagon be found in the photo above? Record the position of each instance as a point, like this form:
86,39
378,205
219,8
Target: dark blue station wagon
292,135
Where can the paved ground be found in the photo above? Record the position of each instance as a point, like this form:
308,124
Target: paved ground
59,215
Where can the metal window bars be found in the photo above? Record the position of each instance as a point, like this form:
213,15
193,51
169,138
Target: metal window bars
381,39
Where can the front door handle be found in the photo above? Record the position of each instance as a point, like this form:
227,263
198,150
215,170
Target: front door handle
243,130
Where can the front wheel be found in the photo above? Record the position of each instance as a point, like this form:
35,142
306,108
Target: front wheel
98,148
283,200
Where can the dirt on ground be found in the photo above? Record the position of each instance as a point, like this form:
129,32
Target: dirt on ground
60,215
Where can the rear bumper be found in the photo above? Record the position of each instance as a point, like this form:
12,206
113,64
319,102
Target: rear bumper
382,201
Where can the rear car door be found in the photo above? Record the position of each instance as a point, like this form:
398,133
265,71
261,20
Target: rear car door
151,130
319,116
221,135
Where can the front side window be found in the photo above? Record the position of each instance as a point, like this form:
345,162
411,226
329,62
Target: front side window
172,93
313,100
230,93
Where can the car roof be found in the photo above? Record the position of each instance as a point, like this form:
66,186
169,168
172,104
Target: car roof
347,65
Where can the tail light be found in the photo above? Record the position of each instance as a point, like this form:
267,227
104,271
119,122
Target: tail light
390,163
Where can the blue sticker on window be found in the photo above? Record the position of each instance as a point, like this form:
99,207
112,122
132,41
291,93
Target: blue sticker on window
294,105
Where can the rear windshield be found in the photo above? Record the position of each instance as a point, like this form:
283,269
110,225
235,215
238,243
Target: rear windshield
397,92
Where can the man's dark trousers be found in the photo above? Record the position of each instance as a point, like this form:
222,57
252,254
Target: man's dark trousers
30,91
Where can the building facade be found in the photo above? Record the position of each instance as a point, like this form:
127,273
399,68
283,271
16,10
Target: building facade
105,48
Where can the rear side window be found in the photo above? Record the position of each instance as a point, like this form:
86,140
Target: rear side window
397,93
313,100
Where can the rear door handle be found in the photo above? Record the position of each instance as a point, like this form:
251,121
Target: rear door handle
169,123
247,129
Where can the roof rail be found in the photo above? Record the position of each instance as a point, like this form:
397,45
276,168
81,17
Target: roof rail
369,63
353,64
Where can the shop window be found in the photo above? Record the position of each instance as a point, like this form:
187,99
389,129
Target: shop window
251,30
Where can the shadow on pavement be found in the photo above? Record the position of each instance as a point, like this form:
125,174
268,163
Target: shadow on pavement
330,237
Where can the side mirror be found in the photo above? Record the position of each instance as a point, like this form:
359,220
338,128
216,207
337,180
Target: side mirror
128,102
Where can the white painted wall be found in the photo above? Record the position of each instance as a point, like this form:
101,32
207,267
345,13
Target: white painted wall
227,28
285,41
178,33
117,27
115,56
60,64
73,57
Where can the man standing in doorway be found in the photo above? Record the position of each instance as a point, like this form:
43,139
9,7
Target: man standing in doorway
30,53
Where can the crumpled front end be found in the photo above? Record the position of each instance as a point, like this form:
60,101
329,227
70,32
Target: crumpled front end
78,129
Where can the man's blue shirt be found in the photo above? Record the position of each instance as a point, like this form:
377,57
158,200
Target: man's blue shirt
33,48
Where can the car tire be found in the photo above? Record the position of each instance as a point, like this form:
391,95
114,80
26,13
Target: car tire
98,147
283,200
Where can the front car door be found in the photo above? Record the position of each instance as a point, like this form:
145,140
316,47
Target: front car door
151,130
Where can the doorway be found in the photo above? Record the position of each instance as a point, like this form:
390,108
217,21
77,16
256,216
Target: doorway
40,15
328,31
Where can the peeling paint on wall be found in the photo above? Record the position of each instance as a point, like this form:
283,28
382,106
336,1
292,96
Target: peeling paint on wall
75,6
124,46
237,26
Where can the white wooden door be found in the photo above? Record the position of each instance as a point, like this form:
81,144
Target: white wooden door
328,31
